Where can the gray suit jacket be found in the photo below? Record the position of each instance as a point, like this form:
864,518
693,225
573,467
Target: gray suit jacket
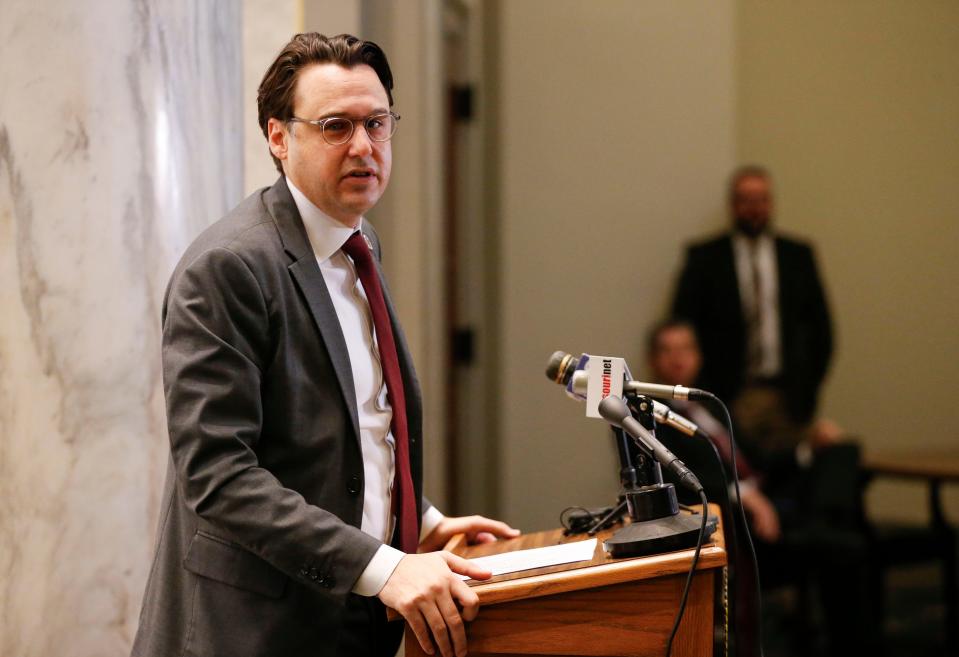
259,542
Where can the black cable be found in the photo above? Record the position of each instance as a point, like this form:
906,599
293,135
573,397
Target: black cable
564,519
742,516
609,519
692,571
729,529
732,537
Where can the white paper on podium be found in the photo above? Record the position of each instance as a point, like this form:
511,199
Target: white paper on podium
553,555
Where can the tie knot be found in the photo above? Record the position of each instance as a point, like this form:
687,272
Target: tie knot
357,247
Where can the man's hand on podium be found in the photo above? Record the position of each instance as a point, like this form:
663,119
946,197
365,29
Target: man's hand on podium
424,588
477,529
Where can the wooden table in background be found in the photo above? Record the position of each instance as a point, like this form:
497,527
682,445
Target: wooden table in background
939,540
935,468
602,607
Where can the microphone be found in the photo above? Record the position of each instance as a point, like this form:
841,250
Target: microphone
567,370
661,412
562,366
665,415
614,410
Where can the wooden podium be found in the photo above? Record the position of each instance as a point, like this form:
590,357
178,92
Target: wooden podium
602,607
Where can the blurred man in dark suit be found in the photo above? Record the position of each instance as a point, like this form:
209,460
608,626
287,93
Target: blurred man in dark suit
757,303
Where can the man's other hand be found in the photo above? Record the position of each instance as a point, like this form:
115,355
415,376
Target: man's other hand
476,528
424,588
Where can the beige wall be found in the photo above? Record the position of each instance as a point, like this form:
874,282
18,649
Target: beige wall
855,107
615,133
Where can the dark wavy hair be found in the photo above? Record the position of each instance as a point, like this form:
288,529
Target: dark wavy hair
274,98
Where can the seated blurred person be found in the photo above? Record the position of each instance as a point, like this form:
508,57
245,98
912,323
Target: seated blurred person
794,541
674,358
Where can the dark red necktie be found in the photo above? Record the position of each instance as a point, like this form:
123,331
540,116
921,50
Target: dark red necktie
404,503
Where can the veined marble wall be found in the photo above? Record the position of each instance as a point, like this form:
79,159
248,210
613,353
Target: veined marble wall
120,140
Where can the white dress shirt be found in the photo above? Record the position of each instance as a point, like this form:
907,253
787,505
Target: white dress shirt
770,361
326,237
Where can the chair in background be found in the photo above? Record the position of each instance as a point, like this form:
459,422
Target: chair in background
829,543
896,545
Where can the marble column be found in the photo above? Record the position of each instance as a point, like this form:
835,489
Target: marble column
119,141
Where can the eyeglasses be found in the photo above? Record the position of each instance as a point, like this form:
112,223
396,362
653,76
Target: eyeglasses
339,130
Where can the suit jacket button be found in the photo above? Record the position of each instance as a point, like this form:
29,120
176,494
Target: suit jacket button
354,486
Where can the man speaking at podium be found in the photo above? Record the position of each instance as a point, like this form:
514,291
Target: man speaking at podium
293,508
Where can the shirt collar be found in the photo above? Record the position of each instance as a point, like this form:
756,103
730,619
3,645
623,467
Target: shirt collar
761,242
325,233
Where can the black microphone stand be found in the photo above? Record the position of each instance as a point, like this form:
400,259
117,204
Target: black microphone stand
657,525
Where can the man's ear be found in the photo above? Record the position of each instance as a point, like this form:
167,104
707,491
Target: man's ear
278,137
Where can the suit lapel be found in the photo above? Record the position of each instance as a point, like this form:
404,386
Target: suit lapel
727,273
306,273
783,271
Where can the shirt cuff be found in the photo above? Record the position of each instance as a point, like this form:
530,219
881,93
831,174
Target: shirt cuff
431,518
378,571
387,558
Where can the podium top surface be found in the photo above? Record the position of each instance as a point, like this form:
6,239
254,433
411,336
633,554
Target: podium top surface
601,570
